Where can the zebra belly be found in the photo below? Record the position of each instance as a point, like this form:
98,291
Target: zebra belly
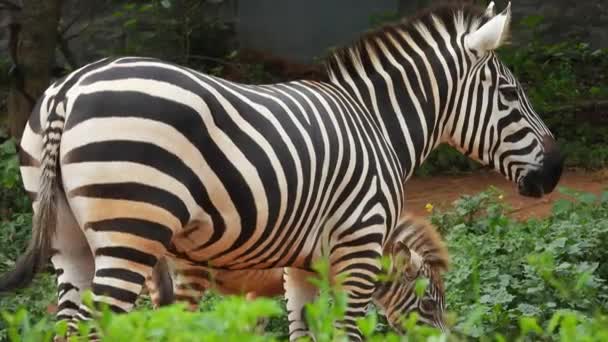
193,244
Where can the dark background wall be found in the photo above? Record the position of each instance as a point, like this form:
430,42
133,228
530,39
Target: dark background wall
302,30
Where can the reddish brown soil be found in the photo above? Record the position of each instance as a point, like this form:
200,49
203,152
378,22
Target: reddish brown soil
441,191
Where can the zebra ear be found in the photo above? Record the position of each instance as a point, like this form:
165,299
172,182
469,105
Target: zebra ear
492,34
490,12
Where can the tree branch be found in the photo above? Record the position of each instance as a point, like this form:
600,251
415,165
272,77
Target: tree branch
13,41
90,11
74,35
212,59
65,29
9,5
70,58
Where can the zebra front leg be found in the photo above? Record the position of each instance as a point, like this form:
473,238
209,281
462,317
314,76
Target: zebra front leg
298,291
358,266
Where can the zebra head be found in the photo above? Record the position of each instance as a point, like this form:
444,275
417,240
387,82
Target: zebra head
398,297
494,121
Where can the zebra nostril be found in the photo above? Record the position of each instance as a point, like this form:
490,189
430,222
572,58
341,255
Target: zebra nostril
531,185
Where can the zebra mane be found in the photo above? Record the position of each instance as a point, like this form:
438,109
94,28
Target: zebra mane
420,236
355,56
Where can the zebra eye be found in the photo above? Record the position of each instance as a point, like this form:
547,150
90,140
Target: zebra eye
509,91
427,304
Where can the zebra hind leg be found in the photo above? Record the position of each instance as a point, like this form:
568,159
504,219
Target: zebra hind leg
122,264
73,263
359,275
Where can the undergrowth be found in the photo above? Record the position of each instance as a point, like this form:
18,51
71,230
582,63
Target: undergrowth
505,271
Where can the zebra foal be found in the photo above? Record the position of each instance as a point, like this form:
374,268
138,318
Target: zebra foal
414,241
130,159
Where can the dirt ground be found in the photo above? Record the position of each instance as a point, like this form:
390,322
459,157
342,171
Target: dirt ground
441,191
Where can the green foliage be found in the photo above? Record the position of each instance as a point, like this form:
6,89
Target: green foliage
172,30
505,272
233,318
446,159
15,229
328,309
12,196
557,74
564,81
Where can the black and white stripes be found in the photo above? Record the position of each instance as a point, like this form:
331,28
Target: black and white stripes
155,158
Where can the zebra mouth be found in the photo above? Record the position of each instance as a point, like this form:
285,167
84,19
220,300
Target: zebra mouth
544,180
530,189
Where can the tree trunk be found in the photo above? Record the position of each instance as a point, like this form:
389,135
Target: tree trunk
34,54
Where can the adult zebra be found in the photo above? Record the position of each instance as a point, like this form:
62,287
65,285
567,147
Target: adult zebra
139,158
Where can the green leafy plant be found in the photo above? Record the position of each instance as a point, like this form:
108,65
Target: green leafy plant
504,270
12,195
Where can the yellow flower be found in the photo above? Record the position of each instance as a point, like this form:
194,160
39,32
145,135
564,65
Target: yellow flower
428,207
500,197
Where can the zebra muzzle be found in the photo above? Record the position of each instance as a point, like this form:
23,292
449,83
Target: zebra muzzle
544,180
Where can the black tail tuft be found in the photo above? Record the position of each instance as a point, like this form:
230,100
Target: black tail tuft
161,276
44,222
23,273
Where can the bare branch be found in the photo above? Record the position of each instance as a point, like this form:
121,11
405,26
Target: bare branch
13,41
67,53
74,35
65,29
89,12
216,60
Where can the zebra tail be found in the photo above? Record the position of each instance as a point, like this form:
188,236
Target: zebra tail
44,222
161,276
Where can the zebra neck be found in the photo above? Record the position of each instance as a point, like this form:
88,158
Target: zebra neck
407,116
